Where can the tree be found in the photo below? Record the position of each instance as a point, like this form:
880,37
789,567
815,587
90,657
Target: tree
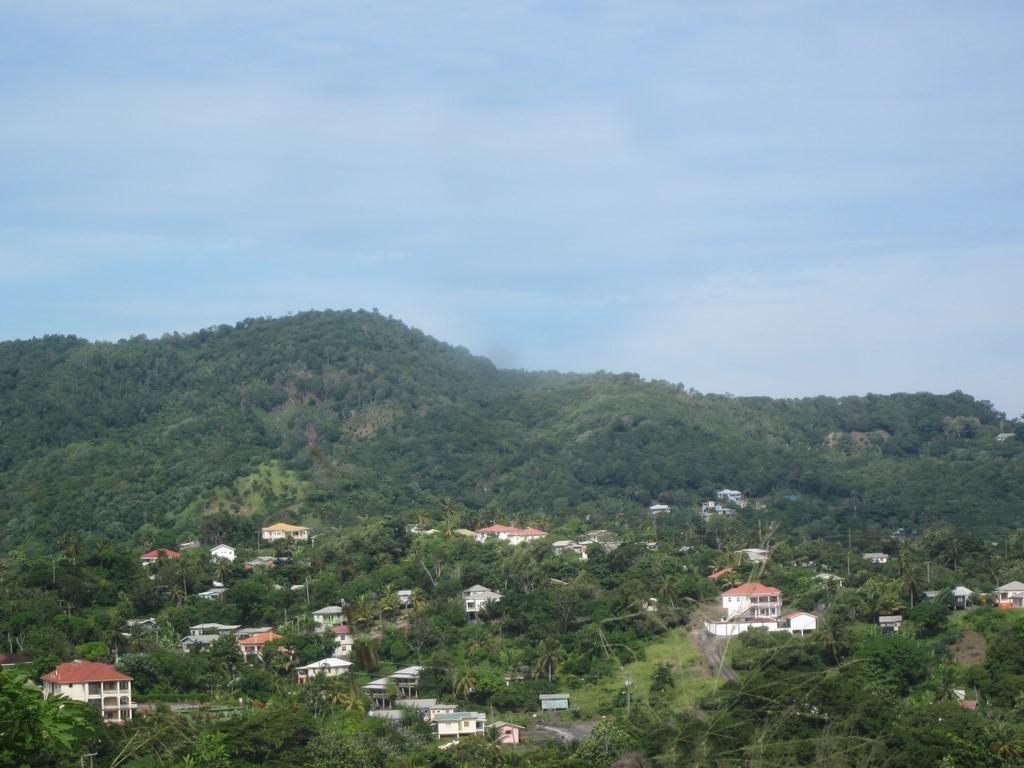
37,731
549,656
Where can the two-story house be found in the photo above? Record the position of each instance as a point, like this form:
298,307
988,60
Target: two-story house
753,600
476,598
329,667
94,683
343,640
328,616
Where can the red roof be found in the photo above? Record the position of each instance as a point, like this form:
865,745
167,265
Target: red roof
341,629
968,704
753,588
513,531
721,572
153,554
79,671
261,638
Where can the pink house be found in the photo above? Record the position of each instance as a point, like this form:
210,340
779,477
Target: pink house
508,733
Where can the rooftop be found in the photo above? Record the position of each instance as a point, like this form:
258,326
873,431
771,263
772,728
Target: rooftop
285,527
753,588
79,671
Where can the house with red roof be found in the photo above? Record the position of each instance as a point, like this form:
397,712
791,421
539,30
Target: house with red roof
252,646
92,682
343,639
753,600
721,572
509,534
155,554
756,606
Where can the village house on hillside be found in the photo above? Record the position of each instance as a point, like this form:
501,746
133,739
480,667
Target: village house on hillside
223,552
659,509
328,616
1010,595
877,558
709,509
343,640
477,597
94,683
329,667
252,646
756,606
509,534
155,555
727,494
283,531
455,725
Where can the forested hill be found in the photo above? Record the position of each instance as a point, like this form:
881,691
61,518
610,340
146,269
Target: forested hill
332,417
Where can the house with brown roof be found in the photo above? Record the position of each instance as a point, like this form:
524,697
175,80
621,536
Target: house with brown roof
753,600
756,606
94,683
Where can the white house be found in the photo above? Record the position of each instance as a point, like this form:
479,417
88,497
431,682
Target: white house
223,552
659,509
343,640
454,725
328,616
877,558
509,534
577,548
554,702
753,600
329,667
1010,595
798,623
755,555
727,494
94,683
890,624
477,597
282,531
404,597
214,593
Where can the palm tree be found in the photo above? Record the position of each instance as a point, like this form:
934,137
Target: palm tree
419,599
178,593
463,681
388,602
1007,741
549,656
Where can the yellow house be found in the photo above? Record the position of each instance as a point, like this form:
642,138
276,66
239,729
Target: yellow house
280,531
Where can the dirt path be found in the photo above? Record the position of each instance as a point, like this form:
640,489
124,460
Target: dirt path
570,732
713,648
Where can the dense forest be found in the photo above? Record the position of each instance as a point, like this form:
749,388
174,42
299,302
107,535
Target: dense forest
336,417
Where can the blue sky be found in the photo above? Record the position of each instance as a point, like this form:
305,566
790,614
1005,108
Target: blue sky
786,198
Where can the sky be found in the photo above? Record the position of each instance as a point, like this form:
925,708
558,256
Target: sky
786,198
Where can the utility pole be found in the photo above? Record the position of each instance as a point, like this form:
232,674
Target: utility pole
928,571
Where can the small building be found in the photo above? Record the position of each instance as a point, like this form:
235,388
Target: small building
14,660
329,667
155,555
262,561
455,725
476,598
659,509
798,623
829,578
284,531
564,545
1010,595
554,702
243,632
252,646
961,596
404,597
379,693
343,640
888,625
721,572
508,733
214,593
407,681
1002,437
140,626
328,616
223,552
99,685
876,558
727,494
509,534
754,555
192,544
753,600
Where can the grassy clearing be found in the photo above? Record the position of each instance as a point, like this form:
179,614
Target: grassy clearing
674,648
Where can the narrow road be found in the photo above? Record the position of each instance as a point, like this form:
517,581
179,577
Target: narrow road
571,733
712,648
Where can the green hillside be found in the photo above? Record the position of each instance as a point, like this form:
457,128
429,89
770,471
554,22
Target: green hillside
334,417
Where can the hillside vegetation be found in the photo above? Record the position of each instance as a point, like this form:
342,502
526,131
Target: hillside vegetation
335,417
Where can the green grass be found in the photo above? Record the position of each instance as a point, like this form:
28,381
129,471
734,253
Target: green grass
674,648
